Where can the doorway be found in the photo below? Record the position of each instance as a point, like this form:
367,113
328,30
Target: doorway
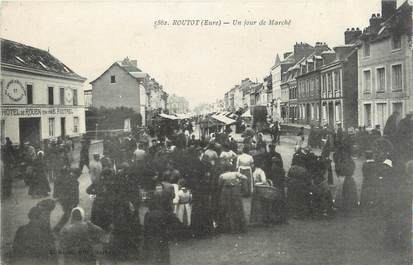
331,114
29,130
307,113
63,127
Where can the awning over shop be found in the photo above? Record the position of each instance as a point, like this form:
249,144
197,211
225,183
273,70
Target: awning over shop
167,116
181,116
224,119
247,114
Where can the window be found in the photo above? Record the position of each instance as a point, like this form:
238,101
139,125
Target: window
51,95
396,43
366,49
29,91
74,97
381,79
330,82
398,106
367,80
75,124
51,126
367,115
337,81
396,77
338,112
112,79
324,112
381,114
62,96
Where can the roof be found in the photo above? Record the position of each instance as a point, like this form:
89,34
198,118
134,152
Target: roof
224,119
132,70
167,116
399,23
27,58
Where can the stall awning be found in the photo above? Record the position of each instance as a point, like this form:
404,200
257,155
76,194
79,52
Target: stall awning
224,119
167,116
183,116
247,114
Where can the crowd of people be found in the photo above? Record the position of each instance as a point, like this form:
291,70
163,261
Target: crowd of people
191,188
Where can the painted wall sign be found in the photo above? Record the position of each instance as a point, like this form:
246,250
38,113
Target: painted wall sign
31,112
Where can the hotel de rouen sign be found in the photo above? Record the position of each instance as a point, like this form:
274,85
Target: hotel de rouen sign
10,111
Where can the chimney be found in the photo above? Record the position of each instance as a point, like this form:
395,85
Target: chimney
134,63
375,22
388,8
351,35
302,49
287,54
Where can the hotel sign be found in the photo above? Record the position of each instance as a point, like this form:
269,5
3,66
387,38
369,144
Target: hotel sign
32,112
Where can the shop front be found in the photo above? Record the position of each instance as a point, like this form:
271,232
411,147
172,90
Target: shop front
35,124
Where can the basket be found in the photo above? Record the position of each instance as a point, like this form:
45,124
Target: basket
268,192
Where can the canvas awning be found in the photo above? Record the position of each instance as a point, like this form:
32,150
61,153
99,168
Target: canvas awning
167,116
224,119
246,114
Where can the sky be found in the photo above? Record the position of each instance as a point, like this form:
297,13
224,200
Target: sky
199,63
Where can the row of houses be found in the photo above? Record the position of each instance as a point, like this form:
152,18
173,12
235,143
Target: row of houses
359,83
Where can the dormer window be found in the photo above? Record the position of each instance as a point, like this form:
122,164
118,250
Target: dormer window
113,79
396,43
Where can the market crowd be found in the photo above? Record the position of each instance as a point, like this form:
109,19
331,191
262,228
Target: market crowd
191,188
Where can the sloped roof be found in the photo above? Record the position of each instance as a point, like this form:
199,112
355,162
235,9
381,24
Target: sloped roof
28,58
132,70
399,23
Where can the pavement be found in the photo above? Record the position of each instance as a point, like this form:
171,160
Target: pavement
340,240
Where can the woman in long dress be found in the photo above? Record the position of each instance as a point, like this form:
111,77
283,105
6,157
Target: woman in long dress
260,207
231,218
40,187
346,198
155,236
244,165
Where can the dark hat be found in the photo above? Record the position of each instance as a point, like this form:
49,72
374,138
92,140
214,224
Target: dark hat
47,204
35,213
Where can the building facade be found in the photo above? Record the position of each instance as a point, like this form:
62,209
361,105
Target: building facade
339,91
385,82
308,85
121,85
300,50
41,99
177,105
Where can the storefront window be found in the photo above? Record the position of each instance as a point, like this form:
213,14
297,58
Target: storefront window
51,126
75,124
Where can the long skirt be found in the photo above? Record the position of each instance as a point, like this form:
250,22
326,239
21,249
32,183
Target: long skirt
248,185
40,185
261,210
231,218
298,199
346,199
201,220
183,212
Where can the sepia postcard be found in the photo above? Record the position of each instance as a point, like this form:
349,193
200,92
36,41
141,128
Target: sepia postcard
206,132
